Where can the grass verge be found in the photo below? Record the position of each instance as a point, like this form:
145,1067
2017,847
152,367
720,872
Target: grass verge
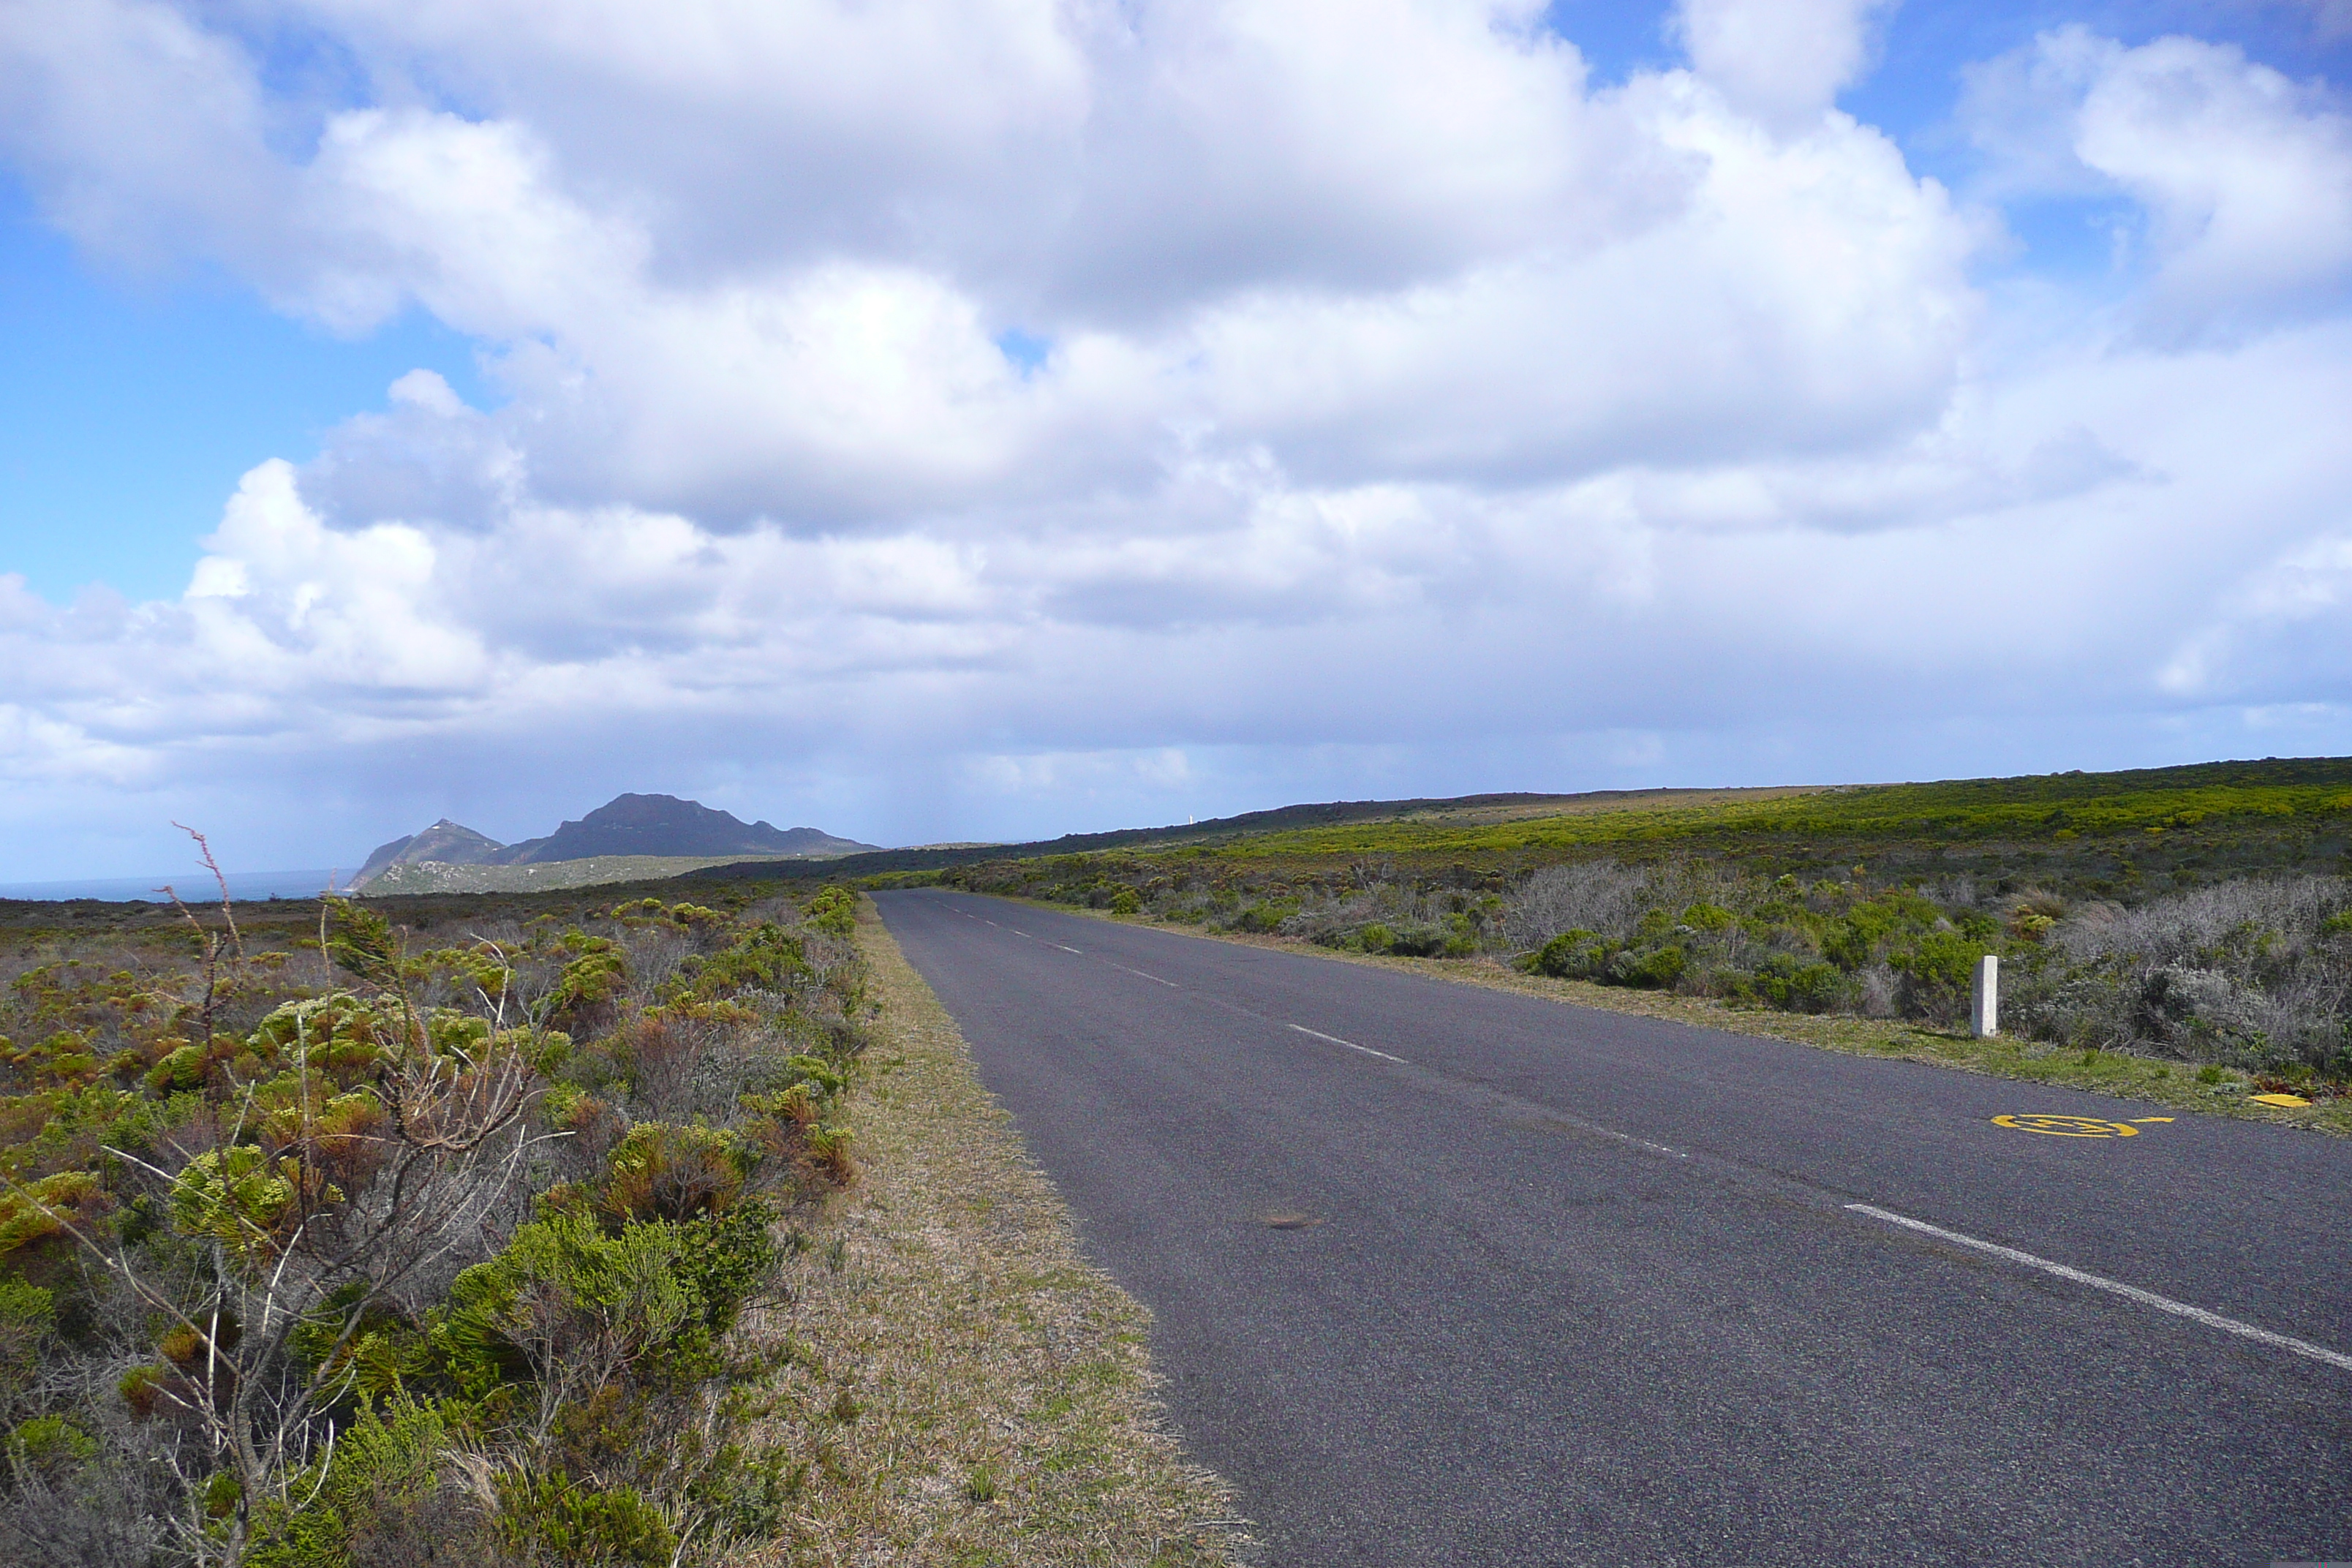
2172,1085
959,1385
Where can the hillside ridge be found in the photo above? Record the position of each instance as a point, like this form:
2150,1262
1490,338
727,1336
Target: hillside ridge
2034,805
636,826
1498,806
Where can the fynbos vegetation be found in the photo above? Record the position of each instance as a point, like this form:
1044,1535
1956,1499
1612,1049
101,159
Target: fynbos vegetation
1868,902
366,1250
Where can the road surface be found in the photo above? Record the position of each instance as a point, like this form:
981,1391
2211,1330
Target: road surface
1447,1275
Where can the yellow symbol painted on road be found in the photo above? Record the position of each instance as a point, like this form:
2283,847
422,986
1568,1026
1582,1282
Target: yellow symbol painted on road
2288,1100
2069,1126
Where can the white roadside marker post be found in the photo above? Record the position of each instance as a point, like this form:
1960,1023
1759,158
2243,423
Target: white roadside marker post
1984,999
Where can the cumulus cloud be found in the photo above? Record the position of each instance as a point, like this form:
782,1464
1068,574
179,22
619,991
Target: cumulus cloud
1105,395
1781,61
2243,176
147,134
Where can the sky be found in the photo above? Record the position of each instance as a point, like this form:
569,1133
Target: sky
1000,418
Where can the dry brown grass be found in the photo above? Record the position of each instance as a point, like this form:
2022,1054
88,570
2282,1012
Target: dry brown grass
962,1387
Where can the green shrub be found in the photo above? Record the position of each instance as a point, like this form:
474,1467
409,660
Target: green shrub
27,1317
380,1490
362,942
1572,956
1460,936
589,981
1418,941
49,1444
1788,982
27,1215
766,958
1657,970
553,1518
655,1297
345,1035
1935,971
180,1071
660,1172
1587,956
590,1353
1127,901
834,912
1847,944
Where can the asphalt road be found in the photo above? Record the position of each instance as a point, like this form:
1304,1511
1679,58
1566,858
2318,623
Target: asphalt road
1541,1284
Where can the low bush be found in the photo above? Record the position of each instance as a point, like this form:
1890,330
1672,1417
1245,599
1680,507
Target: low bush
2254,971
396,1268
1936,968
1786,979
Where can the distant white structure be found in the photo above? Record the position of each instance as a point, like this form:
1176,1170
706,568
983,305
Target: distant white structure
1984,999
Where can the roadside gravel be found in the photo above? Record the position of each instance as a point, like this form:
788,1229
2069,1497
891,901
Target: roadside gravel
959,1385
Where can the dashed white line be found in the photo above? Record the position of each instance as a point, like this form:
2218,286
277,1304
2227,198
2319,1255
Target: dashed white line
1350,1043
1594,1127
1123,969
2115,1287
1066,949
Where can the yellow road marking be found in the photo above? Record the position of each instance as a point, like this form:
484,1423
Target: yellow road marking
2144,1119
2068,1126
2285,1099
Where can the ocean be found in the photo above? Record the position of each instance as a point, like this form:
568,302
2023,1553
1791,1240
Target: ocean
196,887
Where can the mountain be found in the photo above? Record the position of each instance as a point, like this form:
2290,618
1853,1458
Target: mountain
665,824
637,825
444,842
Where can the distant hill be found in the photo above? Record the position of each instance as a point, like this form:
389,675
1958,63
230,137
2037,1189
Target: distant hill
665,824
2196,821
445,843
639,827
1224,830
427,877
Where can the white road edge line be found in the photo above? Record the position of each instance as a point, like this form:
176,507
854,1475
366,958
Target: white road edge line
1350,1043
1123,969
2115,1286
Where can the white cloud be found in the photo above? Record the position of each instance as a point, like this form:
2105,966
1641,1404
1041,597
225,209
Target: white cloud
2246,178
1400,390
1783,61
146,133
2243,176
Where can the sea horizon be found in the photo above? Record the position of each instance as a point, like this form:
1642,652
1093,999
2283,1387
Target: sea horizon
194,888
